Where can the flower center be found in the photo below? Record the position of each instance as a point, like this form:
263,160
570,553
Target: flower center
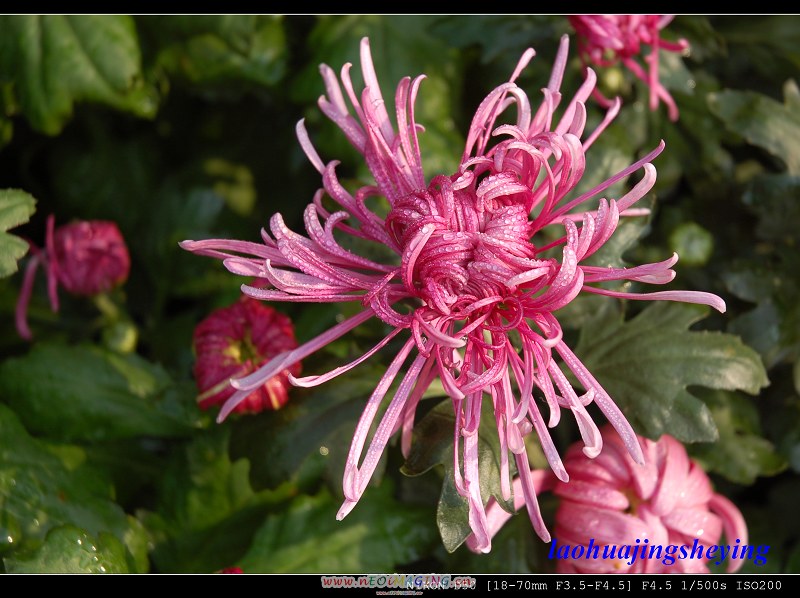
461,243
242,350
634,500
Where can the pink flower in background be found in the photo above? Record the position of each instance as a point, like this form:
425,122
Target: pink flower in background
612,501
235,341
604,40
469,280
86,257
668,501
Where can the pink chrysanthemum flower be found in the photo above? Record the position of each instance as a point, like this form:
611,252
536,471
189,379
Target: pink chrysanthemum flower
468,276
235,341
612,502
670,500
86,257
604,40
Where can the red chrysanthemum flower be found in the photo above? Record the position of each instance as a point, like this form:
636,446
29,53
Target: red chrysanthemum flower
236,341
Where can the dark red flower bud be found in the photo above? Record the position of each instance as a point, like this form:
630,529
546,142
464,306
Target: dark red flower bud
86,257
89,256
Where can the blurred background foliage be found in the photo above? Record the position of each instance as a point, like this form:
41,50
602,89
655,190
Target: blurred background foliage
183,128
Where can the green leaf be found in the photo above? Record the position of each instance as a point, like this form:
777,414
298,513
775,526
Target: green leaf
68,549
741,454
750,282
433,445
203,486
58,60
90,394
772,527
501,37
310,434
43,486
704,40
206,512
775,199
380,534
16,208
761,121
7,107
780,417
776,31
220,49
137,541
647,363
793,561
761,329
769,278
673,74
